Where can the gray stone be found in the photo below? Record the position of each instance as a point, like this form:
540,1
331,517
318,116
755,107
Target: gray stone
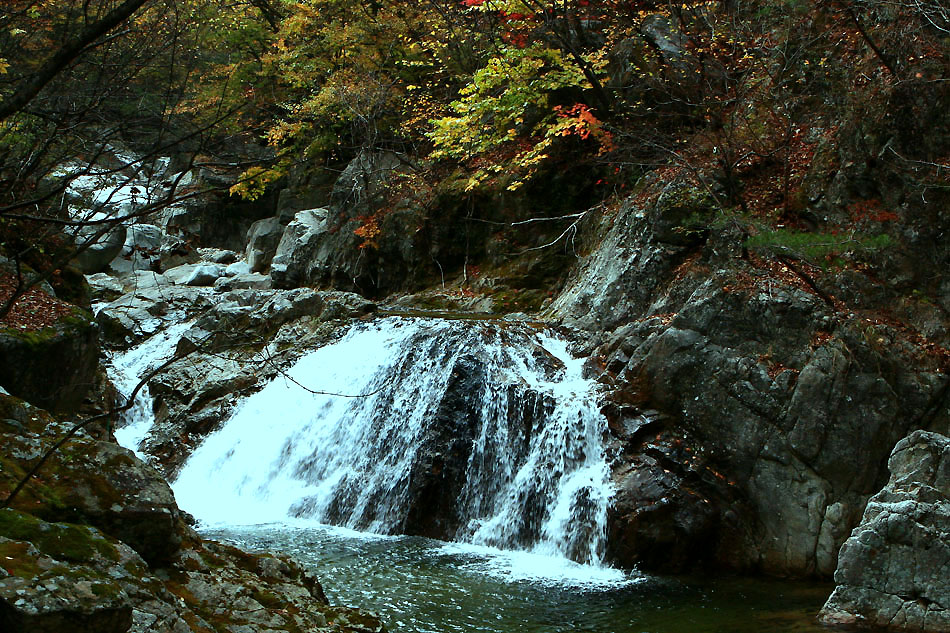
257,281
237,268
894,570
298,246
96,257
205,275
262,240
143,245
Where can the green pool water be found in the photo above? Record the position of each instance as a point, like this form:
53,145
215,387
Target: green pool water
423,586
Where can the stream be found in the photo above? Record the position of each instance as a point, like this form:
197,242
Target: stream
485,435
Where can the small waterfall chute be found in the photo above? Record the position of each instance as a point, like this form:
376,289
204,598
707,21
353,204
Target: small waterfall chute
127,369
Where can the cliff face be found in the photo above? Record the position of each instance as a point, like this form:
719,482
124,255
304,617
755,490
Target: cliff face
780,406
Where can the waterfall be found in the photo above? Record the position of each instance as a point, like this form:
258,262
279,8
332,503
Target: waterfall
480,432
127,369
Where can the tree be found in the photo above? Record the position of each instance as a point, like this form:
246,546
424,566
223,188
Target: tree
116,77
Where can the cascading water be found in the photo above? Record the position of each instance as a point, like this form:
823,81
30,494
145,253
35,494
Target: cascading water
479,432
127,369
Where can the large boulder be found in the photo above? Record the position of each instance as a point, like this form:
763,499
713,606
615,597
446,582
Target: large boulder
53,367
93,482
302,242
894,570
95,257
262,240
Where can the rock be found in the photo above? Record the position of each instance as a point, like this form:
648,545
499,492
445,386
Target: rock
54,367
58,578
770,384
180,274
151,302
100,484
96,258
256,281
262,240
217,219
237,268
74,578
298,246
104,287
894,570
142,251
176,251
667,510
205,275
218,255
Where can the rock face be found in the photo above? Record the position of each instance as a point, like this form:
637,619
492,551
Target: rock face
768,385
54,367
894,570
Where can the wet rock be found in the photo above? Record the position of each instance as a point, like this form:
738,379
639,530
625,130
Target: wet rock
151,302
234,349
769,382
667,514
205,275
894,570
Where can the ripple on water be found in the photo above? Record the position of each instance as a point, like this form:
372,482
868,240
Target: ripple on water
419,585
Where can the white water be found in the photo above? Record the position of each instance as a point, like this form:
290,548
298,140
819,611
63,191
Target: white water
127,369
528,428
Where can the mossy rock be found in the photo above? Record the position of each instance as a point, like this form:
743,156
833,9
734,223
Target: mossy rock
62,541
54,367
60,577
96,483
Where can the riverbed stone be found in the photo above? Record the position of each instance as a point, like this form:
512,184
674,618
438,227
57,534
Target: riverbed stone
96,257
262,240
